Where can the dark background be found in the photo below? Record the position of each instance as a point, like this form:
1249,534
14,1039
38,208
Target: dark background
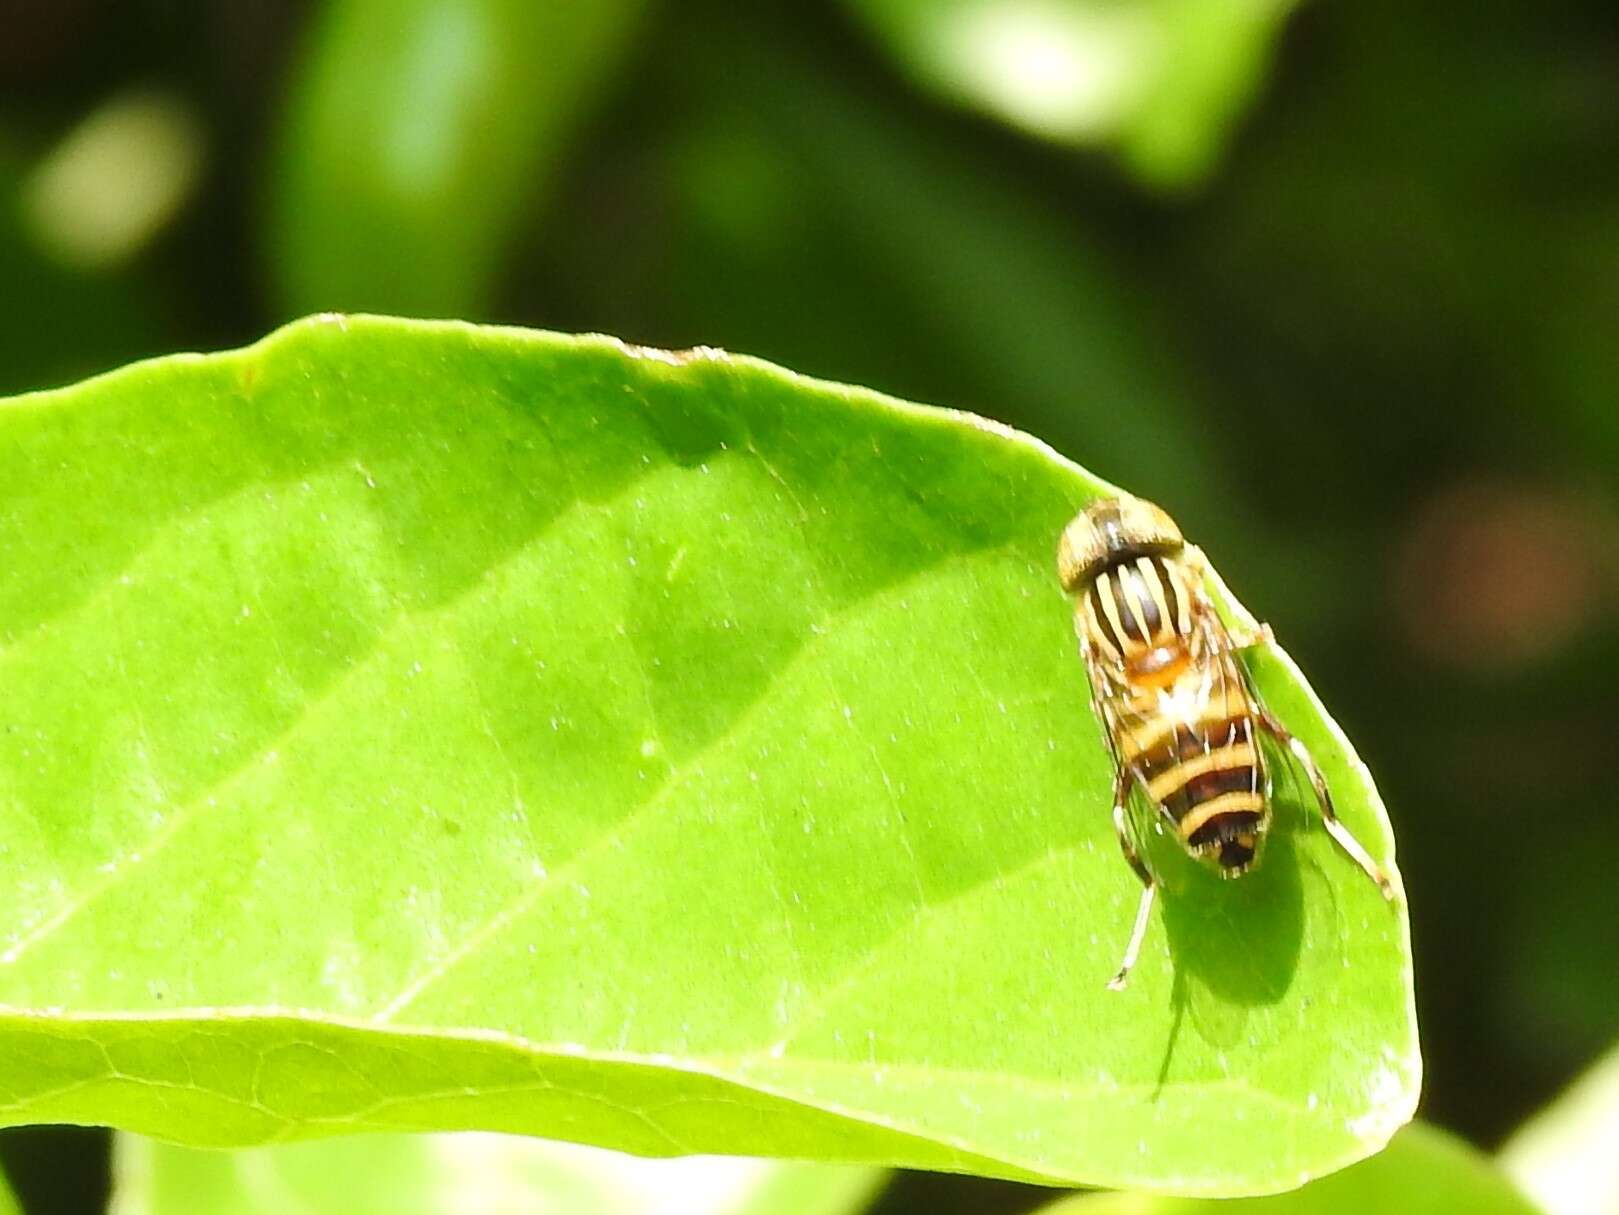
1369,359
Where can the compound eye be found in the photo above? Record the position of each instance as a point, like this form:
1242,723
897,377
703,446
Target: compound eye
1110,530
1083,551
1146,525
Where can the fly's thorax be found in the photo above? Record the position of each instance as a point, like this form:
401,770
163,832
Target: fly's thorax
1139,616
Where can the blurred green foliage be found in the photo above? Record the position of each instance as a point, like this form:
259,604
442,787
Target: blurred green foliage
1369,362
1159,80
480,1173
1422,1172
1564,1155
419,136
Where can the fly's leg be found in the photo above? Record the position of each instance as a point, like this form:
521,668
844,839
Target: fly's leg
1247,639
1244,639
1329,817
1149,887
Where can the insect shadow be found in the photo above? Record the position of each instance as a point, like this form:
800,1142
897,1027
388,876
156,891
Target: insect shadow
1238,938
1235,943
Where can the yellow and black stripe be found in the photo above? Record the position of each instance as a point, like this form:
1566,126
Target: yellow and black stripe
1209,778
1144,728
1136,607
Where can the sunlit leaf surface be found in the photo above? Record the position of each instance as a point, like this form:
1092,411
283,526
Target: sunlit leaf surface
478,1174
424,727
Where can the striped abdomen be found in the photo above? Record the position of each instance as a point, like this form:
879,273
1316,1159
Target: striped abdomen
1208,775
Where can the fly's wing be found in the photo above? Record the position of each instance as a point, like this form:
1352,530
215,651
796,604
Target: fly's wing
1104,699
1107,698
1232,693
1245,636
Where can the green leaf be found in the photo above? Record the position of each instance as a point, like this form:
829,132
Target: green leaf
1424,1171
1162,81
489,1174
424,727
419,133
1564,1155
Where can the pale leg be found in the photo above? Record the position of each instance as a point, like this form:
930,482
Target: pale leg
1329,817
1149,887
